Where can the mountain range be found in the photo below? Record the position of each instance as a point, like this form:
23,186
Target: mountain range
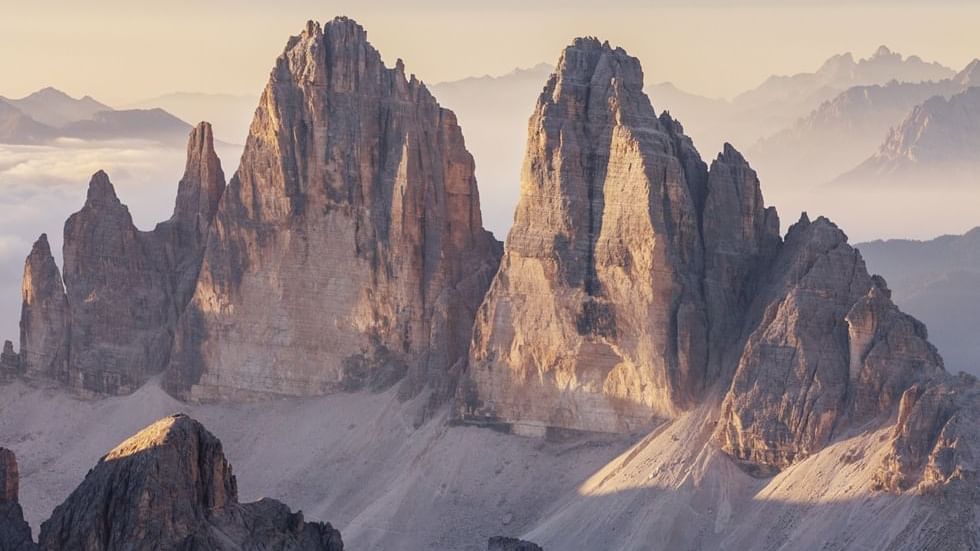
49,114
648,360
938,281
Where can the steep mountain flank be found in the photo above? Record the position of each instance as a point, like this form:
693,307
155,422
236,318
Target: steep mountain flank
636,284
612,306
348,250
109,325
15,533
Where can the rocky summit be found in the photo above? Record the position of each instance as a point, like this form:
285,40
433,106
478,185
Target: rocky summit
629,266
170,487
637,283
348,251
108,324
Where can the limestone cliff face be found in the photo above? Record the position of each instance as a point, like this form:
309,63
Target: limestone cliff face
348,250
626,255
119,299
827,347
934,443
110,325
170,487
44,319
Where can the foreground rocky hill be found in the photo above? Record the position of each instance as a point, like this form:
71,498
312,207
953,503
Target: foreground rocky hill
167,487
687,375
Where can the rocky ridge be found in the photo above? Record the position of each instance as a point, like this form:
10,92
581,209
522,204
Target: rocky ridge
348,251
107,324
637,283
167,487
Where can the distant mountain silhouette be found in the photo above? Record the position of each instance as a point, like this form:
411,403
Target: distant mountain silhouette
938,142
52,107
49,114
846,130
229,114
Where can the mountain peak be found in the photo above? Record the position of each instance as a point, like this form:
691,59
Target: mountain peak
883,51
101,191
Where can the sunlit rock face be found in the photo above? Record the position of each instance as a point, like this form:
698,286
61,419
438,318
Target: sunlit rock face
170,487
109,325
827,347
628,264
348,250
44,316
936,441
637,283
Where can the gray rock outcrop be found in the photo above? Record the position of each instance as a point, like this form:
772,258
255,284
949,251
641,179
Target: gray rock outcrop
170,487
108,324
348,250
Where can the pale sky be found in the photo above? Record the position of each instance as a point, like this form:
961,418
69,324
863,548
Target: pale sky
123,51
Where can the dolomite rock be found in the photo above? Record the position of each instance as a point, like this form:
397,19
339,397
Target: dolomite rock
119,297
827,347
935,440
44,317
348,249
109,326
170,487
198,193
15,533
612,304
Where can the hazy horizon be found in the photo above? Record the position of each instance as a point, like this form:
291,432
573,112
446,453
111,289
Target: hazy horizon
714,48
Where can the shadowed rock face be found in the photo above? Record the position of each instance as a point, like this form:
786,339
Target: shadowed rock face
348,250
635,282
109,326
170,487
15,534
827,347
628,264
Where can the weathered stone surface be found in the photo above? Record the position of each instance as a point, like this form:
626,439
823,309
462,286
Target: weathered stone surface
826,347
110,325
15,533
935,440
348,250
120,302
44,318
183,236
500,543
170,487
599,317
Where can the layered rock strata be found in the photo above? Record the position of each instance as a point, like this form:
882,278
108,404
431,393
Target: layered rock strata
108,324
628,265
636,282
170,487
348,250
